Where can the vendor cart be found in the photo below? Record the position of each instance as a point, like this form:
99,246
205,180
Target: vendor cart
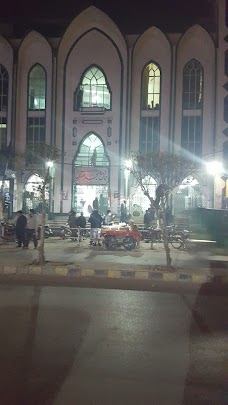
116,236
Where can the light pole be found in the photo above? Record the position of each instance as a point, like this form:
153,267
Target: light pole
128,166
50,166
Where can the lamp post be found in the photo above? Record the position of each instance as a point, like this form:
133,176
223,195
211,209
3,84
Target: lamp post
50,166
128,166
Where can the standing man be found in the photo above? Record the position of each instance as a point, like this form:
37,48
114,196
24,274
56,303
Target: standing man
95,220
123,212
21,228
96,204
32,228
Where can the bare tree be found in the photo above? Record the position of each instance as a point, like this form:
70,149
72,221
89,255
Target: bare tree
168,170
45,156
6,164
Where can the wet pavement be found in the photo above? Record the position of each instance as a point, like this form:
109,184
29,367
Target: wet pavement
72,346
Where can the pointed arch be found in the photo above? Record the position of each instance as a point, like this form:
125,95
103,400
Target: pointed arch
151,86
192,85
4,92
4,88
91,152
37,85
93,90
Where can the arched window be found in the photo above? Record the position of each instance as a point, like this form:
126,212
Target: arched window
91,152
37,89
4,86
93,91
192,85
4,83
151,84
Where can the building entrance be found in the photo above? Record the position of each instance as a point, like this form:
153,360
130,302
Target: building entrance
91,176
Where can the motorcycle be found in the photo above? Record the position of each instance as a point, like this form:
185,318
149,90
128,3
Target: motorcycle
8,232
65,231
47,232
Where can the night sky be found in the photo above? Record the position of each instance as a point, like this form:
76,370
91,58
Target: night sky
132,17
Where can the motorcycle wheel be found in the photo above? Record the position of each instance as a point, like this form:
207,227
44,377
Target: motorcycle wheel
129,243
176,241
110,242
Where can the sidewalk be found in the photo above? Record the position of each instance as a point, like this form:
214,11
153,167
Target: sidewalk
65,258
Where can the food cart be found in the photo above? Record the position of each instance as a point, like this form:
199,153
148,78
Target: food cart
115,236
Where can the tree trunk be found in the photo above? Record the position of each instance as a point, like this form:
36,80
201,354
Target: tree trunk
42,230
163,226
2,202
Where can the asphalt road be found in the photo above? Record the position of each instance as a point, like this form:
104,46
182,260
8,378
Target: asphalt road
80,346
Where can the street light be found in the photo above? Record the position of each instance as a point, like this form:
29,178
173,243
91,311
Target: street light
128,164
214,168
50,163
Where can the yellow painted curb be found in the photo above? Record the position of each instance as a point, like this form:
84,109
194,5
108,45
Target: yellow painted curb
198,278
61,271
87,272
35,270
144,275
10,270
169,277
113,273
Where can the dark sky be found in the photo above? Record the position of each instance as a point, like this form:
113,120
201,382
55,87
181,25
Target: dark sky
131,16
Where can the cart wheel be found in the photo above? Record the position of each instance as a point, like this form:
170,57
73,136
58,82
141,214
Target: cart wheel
110,242
129,243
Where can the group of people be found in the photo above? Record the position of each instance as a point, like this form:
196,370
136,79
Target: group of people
96,221
150,215
26,229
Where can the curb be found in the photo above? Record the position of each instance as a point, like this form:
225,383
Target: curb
110,273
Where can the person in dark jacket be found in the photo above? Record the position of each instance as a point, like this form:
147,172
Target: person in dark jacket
72,221
20,228
81,223
95,220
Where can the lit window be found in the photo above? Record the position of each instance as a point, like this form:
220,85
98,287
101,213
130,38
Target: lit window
37,88
4,83
151,83
3,132
93,91
192,85
91,152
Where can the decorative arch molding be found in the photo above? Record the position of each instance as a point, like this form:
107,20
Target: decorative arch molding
29,40
90,18
198,34
152,34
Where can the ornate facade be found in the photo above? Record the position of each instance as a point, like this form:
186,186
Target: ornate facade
99,96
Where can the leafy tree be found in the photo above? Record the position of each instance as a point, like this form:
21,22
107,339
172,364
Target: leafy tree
43,155
168,170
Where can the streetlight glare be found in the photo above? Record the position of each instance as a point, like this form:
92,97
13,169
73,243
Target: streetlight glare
214,168
50,163
128,164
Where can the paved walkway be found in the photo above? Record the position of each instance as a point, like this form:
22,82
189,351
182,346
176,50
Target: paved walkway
66,252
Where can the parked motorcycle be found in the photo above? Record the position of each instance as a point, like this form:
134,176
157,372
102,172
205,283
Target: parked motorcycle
8,234
47,232
65,231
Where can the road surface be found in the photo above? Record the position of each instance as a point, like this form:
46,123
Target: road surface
81,346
